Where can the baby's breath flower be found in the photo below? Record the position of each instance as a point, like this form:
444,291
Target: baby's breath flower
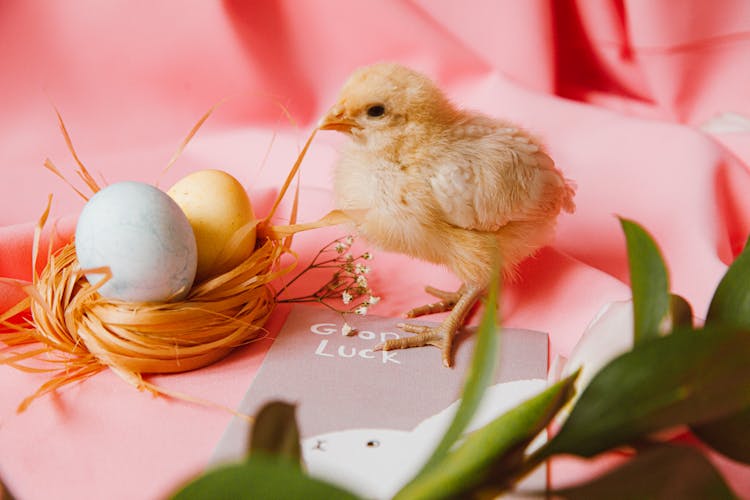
346,330
347,282
361,268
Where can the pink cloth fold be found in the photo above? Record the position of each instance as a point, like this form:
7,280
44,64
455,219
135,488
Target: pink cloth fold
622,92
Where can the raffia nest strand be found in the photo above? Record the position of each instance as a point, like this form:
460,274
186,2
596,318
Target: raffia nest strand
81,333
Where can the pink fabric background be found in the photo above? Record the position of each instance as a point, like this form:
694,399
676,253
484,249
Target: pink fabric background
618,90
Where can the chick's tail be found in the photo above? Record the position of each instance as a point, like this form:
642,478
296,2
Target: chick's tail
570,189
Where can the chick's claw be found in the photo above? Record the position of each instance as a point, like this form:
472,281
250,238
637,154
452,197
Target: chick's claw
449,300
445,295
438,336
433,308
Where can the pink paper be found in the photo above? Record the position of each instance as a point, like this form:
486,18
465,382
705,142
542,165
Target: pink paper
618,91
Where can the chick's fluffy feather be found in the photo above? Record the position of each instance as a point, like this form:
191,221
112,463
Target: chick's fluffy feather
452,187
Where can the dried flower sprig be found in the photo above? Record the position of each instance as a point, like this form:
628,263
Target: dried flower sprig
348,282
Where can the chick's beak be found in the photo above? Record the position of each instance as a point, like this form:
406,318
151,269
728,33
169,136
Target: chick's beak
337,119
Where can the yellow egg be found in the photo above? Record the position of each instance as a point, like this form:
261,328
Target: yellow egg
222,219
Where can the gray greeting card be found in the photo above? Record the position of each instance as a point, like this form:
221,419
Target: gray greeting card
369,419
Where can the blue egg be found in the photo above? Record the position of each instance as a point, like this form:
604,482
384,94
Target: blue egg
145,239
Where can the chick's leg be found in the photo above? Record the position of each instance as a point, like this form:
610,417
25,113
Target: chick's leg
440,336
448,302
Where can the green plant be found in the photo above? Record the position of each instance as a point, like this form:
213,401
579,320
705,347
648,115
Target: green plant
675,375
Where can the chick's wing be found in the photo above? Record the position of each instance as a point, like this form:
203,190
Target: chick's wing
485,180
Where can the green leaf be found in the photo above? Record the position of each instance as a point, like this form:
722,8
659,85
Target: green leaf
731,306
275,432
688,377
489,453
648,280
260,478
665,472
731,301
478,377
729,436
680,312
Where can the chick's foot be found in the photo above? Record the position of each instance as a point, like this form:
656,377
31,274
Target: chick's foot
447,302
440,336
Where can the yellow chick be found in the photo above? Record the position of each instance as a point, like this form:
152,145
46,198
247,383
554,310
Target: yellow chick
438,183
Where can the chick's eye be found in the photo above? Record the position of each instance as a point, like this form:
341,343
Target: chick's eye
376,110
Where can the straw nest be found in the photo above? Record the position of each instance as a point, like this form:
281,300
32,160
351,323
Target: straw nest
86,332
67,323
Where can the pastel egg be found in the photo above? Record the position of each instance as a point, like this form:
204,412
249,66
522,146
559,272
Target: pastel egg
143,236
222,218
